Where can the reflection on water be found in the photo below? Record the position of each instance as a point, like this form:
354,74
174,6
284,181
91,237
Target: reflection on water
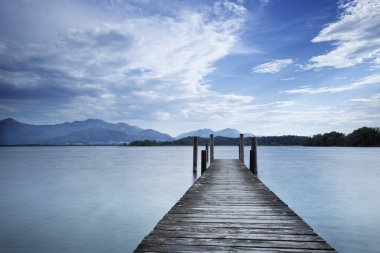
195,176
106,199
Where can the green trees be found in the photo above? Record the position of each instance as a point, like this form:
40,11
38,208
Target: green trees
145,143
362,137
327,139
285,140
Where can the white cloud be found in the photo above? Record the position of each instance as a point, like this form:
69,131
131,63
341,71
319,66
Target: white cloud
162,115
242,49
273,66
372,101
288,79
143,67
355,36
237,111
327,116
340,77
309,121
368,80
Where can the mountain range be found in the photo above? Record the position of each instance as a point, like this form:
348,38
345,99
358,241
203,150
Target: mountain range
205,132
89,132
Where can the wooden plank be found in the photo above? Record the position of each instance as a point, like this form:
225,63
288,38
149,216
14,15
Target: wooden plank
234,215
236,230
229,209
219,249
234,225
225,242
240,236
236,220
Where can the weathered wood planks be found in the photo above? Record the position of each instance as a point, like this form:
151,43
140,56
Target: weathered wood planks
228,209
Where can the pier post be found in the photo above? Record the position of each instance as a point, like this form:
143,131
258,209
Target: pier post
241,148
206,152
211,148
253,156
195,153
203,161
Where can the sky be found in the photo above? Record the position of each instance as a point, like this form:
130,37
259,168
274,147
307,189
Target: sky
268,67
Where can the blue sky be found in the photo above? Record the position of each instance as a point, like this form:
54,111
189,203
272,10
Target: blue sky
269,67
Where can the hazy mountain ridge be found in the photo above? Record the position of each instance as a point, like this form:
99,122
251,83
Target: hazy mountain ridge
90,131
205,132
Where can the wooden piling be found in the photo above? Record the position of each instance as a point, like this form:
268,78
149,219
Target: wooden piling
203,161
211,148
206,152
253,143
253,156
195,153
241,148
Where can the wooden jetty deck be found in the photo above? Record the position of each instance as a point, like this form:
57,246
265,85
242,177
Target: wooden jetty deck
228,209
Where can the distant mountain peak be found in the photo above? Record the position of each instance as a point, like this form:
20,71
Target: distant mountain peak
229,129
94,120
90,120
149,130
122,123
9,121
87,131
205,132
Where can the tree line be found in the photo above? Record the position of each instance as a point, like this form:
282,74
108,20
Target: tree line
289,140
362,137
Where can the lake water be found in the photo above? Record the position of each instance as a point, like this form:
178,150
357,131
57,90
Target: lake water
106,199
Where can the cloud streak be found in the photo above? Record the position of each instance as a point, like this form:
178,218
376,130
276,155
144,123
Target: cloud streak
368,80
372,101
272,67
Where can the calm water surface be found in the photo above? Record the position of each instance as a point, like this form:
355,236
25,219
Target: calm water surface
106,199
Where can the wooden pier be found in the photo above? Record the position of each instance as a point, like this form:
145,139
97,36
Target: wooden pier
228,209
